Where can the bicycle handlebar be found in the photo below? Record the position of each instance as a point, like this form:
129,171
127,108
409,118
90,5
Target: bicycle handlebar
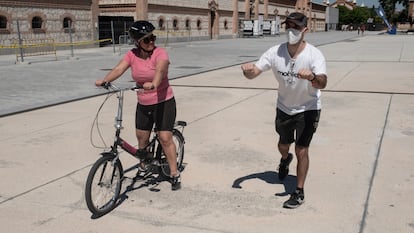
108,85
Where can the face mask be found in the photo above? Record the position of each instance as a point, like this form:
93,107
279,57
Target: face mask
293,35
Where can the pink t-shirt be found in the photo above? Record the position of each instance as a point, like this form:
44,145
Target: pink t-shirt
144,71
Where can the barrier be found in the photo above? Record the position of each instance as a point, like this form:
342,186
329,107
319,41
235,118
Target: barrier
83,42
35,47
124,39
38,47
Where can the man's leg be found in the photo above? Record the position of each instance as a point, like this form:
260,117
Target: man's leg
285,128
284,161
284,150
304,132
303,165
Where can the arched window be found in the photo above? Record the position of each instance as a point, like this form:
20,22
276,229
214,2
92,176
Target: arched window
67,22
175,24
3,22
3,25
37,22
199,24
161,24
68,25
226,24
37,25
188,24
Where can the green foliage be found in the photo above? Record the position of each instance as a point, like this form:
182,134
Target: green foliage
356,16
361,14
389,7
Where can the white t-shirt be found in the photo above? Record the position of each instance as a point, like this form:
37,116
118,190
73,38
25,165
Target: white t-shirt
295,95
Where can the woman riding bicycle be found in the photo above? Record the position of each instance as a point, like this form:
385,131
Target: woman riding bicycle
156,104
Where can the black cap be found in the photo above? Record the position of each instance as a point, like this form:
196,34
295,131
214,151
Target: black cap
297,18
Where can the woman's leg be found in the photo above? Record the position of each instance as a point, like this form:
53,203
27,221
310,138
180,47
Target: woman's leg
170,151
143,138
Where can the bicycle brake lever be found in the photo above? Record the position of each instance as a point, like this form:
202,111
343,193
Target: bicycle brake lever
106,85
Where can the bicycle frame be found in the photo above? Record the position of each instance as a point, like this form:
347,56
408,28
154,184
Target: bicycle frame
118,141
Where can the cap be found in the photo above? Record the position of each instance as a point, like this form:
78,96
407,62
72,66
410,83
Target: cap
297,18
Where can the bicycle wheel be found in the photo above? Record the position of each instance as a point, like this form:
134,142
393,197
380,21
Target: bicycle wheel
103,185
178,140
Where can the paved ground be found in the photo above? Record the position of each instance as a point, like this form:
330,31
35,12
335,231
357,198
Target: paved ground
360,180
38,82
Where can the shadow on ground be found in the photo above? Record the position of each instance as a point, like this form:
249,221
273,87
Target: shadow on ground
269,177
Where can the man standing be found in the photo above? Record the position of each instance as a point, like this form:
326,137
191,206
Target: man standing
300,70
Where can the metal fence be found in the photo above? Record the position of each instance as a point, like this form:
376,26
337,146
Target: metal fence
34,47
109,32
166,31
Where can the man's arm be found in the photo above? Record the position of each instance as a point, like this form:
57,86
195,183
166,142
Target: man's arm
250,71
319,81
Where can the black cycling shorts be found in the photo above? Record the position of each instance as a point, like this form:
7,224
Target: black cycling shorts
162,114
303,124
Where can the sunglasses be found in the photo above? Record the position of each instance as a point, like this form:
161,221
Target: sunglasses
148,39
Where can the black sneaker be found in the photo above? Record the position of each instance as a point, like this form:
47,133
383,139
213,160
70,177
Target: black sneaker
296,199
176,183
284,166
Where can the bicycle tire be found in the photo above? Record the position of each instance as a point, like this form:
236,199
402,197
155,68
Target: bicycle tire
103,185
178,140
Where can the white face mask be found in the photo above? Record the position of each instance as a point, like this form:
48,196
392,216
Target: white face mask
293,35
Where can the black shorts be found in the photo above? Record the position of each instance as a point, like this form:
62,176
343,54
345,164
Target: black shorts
303,124
162,114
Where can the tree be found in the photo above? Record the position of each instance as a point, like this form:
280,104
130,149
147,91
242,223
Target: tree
356,16
389,7
360,14
344,15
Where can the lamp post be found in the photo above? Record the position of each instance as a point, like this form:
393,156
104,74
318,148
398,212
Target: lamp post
70,37
20,41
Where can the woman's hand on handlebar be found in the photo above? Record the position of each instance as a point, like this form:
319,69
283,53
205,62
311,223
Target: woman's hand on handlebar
99,82
148,86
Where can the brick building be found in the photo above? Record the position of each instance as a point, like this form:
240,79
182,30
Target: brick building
38,19
90,20
207,19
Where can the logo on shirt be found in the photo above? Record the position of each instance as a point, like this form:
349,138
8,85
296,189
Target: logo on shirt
290,76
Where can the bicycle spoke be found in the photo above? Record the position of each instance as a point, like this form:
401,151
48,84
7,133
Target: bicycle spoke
103,185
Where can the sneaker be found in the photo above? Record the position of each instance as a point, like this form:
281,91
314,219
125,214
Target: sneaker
176,183
142,171
296,199
284,166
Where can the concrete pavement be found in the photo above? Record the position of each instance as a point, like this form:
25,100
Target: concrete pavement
39,82
360,179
